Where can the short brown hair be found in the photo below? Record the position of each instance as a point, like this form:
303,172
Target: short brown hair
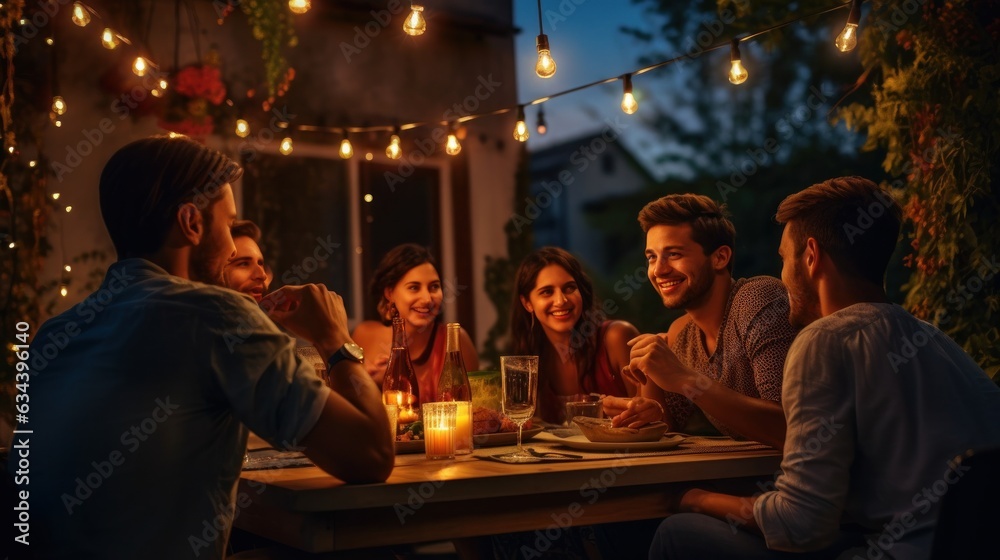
710,224
145,182
851,218
245,228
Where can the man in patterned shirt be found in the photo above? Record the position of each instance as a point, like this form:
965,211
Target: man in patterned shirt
725,355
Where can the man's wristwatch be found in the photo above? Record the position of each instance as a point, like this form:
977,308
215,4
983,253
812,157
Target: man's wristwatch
349,351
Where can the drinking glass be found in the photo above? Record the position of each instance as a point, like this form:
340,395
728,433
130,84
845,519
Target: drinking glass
519,378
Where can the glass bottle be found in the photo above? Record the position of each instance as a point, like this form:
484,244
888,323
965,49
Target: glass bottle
399,386
453,385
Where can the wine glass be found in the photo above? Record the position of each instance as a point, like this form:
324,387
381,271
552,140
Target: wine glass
519,377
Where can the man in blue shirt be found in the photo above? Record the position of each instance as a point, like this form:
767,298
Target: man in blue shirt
141,395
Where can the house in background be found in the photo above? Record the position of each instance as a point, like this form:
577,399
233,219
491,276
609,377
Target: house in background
325,219
570,183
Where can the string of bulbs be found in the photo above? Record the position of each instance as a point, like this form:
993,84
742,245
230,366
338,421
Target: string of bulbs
545,67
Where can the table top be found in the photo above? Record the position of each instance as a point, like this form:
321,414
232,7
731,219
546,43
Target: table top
310,489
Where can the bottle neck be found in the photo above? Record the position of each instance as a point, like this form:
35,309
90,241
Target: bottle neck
453,343
398,334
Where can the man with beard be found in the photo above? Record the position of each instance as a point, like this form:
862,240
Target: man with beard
247,272
141,395
724,356
878,403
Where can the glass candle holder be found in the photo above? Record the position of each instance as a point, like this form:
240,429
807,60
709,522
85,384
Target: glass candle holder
439,429
463,428
392,411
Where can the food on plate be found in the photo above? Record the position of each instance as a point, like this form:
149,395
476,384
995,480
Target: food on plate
489,421
412,432
600,430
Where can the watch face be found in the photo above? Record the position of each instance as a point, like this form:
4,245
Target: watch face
354,350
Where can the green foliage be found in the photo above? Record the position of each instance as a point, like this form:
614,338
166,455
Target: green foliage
934,109
271,24
500,271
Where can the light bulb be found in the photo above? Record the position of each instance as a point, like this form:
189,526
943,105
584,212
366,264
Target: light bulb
299,6
346,149
68,268
58,105
242,128
629,104
452,147
80,15
737,74
63,291
139,66
393,150
58,123
11,245
415,23
69,208
546,65
32,163
286,146
521,128
163,84
109,39
55,196
848,38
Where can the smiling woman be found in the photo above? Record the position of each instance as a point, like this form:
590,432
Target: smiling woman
554,317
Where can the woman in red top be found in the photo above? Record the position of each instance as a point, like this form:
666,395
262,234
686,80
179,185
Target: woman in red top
579,350
406,282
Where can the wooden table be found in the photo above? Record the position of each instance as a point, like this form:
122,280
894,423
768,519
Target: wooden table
437,500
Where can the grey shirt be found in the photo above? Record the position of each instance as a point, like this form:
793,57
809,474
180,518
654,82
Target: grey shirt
141,396
877,404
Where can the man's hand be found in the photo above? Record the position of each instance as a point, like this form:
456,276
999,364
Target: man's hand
312,312
632,413
651,359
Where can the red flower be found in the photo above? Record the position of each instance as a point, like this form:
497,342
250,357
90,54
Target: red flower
201,81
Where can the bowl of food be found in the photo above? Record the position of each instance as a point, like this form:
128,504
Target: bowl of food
600,430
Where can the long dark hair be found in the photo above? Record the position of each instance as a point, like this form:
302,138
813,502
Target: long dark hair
391,269
528,340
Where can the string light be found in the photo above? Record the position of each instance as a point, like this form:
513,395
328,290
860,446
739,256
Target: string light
242,128
545,67
68,268
299,6
520,128
286,146
63,290
452,146
139,66
109,39
629,104
69,209
55,196
737,73
393,150
346,149
163,84
848,38
32,163
80,15
58,105
542,128
415,23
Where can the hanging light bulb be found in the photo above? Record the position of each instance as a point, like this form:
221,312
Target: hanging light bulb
737,74
629,104
299,6
109,38
139,66
415,23
393,150
452,146
286,146
346,149
163,84
55,196
63,290
80,15
848,38
542,128
68,268
546,65
242,128
58,105
520,128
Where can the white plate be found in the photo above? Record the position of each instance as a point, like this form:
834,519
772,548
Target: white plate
582,443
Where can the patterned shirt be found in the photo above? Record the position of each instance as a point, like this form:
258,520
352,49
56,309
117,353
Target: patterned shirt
750,353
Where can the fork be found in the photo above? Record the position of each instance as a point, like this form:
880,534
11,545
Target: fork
551,454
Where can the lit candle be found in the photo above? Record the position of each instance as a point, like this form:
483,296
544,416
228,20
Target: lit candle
463,428
439,441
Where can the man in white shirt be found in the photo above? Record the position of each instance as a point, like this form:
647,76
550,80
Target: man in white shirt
877,404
